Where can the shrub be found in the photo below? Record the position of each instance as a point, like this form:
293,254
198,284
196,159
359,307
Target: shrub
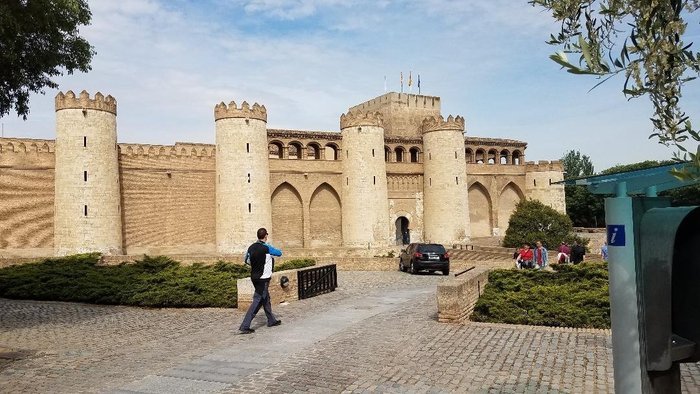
533,221
295,264
572,296
152,281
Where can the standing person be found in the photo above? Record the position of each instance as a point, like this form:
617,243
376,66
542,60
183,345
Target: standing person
604,251
564,252
259,257
525,257
578,253
540,255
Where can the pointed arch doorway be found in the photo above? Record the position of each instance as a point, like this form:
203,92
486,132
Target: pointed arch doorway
403,234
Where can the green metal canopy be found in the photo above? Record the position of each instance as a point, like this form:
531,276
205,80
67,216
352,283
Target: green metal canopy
646,181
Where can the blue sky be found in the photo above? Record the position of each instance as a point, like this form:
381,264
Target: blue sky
168,62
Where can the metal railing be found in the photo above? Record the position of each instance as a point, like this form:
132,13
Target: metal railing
315,281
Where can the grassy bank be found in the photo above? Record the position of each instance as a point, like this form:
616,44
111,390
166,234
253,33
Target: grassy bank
571,296
152,281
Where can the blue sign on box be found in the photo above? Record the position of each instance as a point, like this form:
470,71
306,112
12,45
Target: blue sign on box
616,235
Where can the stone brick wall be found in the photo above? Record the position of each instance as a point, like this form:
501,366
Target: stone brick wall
242,176
538,182
365,205
456,297
278,294
402,113
445,205
168,198
26,197
87,199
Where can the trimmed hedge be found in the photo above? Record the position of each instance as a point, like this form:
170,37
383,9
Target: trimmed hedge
572,296
152,281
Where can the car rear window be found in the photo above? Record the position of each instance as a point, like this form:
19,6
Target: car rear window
431,248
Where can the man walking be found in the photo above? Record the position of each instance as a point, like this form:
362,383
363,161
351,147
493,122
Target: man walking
259,257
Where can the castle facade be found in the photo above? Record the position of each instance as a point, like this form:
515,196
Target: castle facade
397,172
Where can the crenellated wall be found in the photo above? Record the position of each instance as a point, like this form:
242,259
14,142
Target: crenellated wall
167,193
26,196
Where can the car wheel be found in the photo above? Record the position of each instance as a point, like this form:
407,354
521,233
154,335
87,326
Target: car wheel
413,269
446,271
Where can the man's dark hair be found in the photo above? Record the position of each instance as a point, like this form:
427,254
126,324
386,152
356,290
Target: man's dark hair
262,233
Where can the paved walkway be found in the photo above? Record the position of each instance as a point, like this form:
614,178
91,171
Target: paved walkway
377,333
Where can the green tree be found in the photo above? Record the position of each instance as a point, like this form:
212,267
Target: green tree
533,221
584,208
39,39
576,165
642,40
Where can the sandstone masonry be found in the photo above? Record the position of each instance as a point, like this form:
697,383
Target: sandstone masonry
397,172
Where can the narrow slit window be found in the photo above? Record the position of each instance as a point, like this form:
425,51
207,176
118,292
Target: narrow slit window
85,176
250,207
84,141
372,152
457,180
430,181
374,180
455,154
534,182
85,210
248,178
347,181
247,147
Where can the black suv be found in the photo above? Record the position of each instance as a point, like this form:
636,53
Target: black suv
431,257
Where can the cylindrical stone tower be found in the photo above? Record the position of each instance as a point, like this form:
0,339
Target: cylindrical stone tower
365,204
87,202
242,176
445,204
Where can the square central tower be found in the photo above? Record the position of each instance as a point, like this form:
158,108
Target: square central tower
402,113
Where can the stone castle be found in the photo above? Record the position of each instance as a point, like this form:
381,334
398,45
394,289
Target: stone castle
397,172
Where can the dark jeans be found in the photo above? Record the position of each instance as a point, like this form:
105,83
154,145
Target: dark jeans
261,298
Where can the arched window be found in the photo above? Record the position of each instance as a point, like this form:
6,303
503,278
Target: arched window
275,150
469,155
387,154
504,157
480,156
399,152
517,157
414,154
331,151
296,150
492,156
314,151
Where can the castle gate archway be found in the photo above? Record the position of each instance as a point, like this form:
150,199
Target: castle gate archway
325,217
480,211
510,197
287,217
403,235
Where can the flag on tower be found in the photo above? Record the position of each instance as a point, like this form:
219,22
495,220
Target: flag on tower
401,81
418,83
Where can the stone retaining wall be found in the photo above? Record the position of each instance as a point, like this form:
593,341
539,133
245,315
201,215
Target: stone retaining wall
278,294
456,297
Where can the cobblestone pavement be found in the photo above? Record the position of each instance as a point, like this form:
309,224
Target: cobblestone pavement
377,333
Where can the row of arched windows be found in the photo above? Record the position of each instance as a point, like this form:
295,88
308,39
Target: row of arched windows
401,155
493,156
295,150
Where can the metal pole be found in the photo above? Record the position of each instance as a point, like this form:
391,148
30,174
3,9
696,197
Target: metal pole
619,218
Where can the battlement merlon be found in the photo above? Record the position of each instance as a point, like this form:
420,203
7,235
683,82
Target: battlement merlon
360,118
544,165
439,123
99,103
401,99
223,111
